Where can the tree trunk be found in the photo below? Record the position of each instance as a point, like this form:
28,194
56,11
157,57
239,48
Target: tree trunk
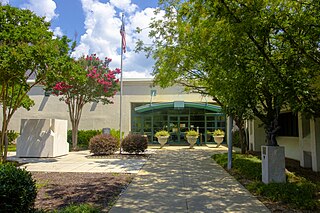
74,136
4,138
243,141
271,132
3,145
75,110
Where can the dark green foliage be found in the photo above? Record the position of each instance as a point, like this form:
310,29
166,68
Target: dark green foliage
247,165
27,49
84,137
134,143
116,134
103,144
300,195
12,135
17,189
236,139
297,192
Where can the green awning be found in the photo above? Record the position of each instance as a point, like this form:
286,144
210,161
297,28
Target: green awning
177,105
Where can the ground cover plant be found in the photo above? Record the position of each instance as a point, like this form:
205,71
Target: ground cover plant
299,192
84,137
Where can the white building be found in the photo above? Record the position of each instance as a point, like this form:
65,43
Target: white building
300,137
145,109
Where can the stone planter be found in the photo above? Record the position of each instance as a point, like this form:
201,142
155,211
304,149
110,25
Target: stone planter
162,140
218,139
192,140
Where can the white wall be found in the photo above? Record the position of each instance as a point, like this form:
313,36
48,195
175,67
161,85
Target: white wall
98,116
291,145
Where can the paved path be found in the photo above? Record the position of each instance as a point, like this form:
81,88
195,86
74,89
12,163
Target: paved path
80,162
185,180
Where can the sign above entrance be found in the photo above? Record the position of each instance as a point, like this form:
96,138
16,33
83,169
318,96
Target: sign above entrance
178,104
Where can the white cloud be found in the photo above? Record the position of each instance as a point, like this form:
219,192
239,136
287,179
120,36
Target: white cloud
124,5
42,8
57,32
102,36
4,2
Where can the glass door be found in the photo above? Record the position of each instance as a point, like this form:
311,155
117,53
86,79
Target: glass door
177,126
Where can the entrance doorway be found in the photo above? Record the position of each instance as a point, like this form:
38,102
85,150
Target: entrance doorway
178,125
177,119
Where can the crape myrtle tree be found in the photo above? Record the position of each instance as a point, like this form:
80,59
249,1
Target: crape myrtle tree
254,57
27,53
85,80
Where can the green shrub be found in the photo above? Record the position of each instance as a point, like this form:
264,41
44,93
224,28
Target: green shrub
299,195
134,143
116,134
12,135
84,137
247,165
82,208
17,189
297,192
103,144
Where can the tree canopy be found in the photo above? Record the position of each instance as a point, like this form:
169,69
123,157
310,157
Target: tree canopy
253,57
28,52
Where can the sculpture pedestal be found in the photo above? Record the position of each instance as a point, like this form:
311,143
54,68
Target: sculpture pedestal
42,138
273,164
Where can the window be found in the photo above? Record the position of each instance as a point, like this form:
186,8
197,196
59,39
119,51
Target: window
288,123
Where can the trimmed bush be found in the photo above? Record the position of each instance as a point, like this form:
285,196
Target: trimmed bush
134,143
84,137
17,189
103,144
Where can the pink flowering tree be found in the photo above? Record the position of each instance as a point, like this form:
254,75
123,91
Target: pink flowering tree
85,80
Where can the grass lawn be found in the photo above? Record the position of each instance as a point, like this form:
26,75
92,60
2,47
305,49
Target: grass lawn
298,193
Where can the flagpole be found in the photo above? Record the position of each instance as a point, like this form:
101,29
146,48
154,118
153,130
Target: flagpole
121,82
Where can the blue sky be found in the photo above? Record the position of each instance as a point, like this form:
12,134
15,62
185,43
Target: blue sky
97,24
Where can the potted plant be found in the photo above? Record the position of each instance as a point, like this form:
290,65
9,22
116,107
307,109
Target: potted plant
192,137
218,136
162,136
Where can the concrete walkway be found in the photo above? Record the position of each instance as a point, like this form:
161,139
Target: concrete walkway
185,180
80,162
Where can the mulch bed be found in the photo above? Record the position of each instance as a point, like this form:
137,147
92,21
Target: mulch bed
57,190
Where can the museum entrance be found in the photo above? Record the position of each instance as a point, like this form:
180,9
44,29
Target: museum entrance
178,126
176,118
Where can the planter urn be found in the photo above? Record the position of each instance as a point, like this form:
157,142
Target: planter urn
218,139
192,140
162,140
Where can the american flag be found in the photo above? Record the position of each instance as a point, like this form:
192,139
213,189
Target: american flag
123,36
